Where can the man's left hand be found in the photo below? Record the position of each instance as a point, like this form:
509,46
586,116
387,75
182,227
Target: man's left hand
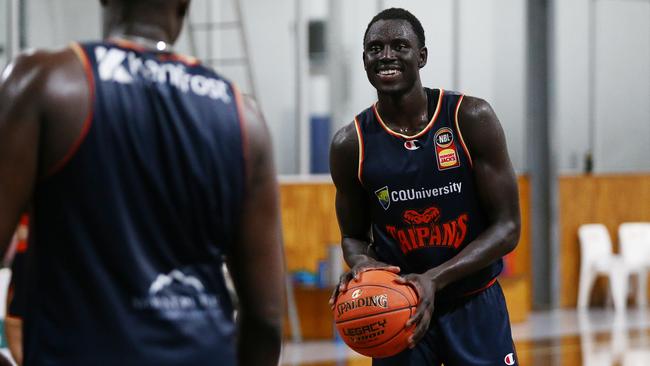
426,290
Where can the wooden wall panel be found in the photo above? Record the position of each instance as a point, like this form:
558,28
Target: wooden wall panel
309,223
607,199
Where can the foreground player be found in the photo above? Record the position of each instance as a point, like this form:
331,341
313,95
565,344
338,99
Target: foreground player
144,169
425,186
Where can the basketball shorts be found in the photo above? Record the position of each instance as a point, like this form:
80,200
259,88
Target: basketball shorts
472,331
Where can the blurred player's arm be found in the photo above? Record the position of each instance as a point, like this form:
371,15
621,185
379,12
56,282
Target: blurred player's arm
352,208
34,89
257,261
20,89
498,194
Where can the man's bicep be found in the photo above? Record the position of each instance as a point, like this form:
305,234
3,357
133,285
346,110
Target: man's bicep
351,200
19,142
496,181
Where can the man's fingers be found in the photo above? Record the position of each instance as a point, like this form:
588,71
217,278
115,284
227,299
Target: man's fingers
415,319
333,297
420,330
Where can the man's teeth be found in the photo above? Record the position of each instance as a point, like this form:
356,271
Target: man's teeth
388,72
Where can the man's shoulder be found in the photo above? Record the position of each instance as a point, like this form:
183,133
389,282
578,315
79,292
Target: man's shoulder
345,139
32,69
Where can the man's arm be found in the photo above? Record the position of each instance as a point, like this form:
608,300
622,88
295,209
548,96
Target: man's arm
496,183
36,89
20,92
352,208
497,188
256,261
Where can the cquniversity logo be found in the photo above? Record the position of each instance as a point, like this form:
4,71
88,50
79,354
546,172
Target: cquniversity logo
383,195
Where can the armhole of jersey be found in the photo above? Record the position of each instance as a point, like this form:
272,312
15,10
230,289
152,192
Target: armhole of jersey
460,134
72,150
239,101
357,127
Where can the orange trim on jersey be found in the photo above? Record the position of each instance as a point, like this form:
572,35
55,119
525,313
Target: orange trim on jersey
460,135
239,102
407,137
15,317
487,286
83,58
357,127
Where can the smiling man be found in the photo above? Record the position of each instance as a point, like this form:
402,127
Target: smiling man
425,188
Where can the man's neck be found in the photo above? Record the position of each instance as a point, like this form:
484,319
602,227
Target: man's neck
408,110
146,35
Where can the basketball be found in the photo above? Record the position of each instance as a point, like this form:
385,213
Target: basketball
371,314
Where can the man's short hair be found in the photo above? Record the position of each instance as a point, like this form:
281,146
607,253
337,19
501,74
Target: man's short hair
401,14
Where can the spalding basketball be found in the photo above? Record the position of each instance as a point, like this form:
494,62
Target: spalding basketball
371,314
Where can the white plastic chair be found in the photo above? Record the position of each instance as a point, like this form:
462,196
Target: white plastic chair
597,258
634,239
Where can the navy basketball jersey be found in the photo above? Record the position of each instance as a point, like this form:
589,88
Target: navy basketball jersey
130,230
424,205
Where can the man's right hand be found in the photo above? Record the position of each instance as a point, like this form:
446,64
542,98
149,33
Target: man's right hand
355,272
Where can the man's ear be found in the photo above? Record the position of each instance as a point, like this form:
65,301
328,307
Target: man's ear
183,7
424,54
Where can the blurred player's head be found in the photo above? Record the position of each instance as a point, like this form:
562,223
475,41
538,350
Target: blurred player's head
126,15
394,52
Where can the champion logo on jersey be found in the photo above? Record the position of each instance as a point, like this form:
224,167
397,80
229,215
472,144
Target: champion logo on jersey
509,359
412,145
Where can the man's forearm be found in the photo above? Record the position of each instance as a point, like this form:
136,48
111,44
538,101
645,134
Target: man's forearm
356,251
259,343
497,241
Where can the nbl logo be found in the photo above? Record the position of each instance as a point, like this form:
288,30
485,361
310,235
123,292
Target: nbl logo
444,137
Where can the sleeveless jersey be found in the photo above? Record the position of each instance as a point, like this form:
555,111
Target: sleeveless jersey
130,230
424,206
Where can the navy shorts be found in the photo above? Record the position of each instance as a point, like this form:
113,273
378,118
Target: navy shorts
471,332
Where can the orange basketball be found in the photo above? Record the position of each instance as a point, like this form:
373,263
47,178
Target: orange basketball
371,314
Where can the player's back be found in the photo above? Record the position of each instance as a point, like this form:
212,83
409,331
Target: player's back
130,230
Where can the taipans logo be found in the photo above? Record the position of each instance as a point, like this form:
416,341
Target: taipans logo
509,359
412,145
383,195
356,293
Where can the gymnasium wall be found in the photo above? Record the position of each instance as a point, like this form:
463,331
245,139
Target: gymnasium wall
608,199
484,54
601,94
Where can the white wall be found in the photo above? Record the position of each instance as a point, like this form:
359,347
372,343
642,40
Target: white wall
3,32
491,64
603,91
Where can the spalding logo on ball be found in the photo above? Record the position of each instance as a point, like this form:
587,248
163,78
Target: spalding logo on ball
371,315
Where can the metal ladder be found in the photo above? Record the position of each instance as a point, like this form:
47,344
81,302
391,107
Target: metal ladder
205,34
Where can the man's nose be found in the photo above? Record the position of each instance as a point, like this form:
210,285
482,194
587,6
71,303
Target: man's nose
387,53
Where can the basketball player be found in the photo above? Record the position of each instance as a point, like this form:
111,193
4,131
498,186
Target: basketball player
425,188
144,169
